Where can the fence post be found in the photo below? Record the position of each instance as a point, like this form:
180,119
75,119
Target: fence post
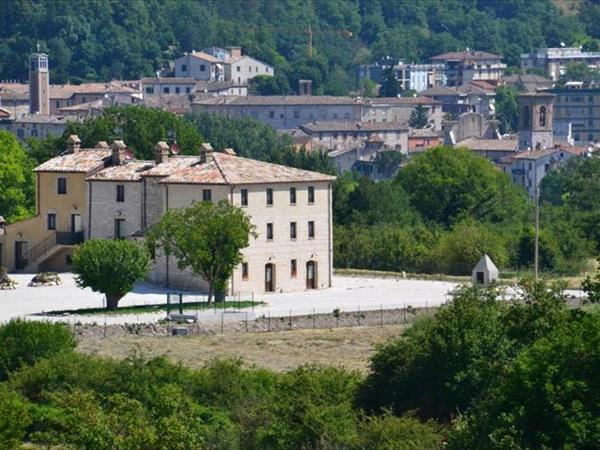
105,328
404,312
246,321
269,322
358,316
380,315
314,320
222,323
290,319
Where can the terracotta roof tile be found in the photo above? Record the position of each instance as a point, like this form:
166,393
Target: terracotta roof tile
171,166
130,171
83,161
489,144
318,126
234,170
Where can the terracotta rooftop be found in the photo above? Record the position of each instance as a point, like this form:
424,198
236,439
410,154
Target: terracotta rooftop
233,170
168,80
318,126
83,161
171,166
205,56
64,91
420,100
44,119
537,154
489,144
130,171
423,133
440,90
465,56
259,100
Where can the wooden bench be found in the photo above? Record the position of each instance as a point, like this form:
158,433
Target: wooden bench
190,318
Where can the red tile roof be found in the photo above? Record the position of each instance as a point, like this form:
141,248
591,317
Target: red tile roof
130,171
83,161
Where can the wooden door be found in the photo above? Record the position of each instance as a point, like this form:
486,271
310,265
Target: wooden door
269,278
311,275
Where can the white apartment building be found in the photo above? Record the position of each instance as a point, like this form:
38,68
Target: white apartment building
291,209
554,61
470,65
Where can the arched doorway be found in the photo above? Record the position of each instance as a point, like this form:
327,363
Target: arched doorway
311,275
270,277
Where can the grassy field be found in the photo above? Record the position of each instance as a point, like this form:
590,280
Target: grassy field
280,351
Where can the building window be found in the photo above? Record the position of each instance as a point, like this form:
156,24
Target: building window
202,67
292,230
292,196
57,104
20,133
177,89
187,90
119,228
591,99
244,271
149,90
166,90
244,194
269,196
34,133
120,192
51,221
61,186
206,195
271,114
311,194
184,67
311,229
542,116
296,114
590,137
238,68
269,232
590,123
293,268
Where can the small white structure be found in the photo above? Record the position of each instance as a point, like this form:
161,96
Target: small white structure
484,272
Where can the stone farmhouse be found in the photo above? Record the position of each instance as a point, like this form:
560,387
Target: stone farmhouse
103,193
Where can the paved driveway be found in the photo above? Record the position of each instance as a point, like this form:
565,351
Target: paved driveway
348,294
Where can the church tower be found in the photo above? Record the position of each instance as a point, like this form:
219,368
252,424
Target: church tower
39,84
535,121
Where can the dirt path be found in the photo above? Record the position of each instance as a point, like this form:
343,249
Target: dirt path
281,351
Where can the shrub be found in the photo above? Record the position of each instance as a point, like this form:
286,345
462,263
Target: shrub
14,418
23,343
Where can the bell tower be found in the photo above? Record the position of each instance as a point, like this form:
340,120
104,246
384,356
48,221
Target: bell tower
535,121
39,84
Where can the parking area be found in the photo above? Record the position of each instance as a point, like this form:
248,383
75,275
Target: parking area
347,294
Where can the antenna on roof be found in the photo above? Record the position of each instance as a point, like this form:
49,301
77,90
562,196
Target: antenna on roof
128,154
175,148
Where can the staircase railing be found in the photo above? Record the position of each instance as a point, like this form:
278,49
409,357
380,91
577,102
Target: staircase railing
40,249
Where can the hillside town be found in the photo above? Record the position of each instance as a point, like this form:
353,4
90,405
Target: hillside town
336,224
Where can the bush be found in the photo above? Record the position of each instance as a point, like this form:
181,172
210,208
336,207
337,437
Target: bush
23,343
389,432
14,418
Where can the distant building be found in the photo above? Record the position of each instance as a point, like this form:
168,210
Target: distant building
554,61
291,111
422,139
528,82
336,135
462,67
577,112
37,125
417,77
535,121
485,272
364,158
232,66
462,99
470,125
493,149
39,83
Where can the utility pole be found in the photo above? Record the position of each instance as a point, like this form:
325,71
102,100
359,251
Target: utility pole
310,41
536,254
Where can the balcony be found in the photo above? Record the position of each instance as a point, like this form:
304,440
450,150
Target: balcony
68,238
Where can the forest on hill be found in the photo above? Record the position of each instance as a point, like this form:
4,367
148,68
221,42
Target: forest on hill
125,39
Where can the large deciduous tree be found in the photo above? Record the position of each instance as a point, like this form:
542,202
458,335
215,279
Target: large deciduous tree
16,180
110,267
206,238
507,109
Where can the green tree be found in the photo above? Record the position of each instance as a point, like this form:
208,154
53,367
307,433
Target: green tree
591,286
507,109
15,418
206,238
548,398
390,87
445,184
110,267
267,85
419,117
17,199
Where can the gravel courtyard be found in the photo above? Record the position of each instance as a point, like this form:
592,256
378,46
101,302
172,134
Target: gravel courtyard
347,294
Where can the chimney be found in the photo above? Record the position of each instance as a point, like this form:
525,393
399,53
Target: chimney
304,87
235,52
206,151
102,144
161,152
73,143
229,151
118,153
